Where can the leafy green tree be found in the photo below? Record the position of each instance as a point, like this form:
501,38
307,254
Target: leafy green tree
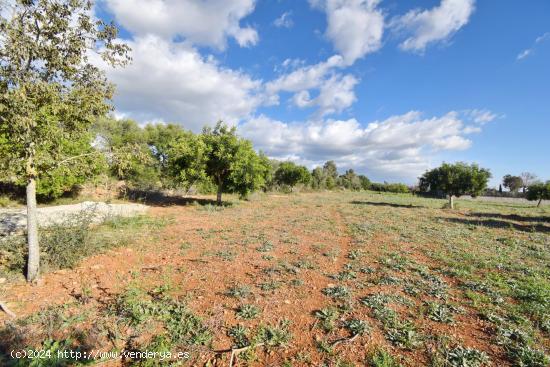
512,183
290,174
365,182
349,180
231,162
317,179
124,144
187,159
455,180
331,174
539,191
50,93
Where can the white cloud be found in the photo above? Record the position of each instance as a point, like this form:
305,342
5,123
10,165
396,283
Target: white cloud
173,82
480,116
544,37
435,25
284,21
206,22
355,27
396,148
334,90
523,54
529,51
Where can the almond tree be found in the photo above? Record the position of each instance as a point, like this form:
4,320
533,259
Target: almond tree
50,92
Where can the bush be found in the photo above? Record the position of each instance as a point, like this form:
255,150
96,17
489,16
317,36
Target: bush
389,187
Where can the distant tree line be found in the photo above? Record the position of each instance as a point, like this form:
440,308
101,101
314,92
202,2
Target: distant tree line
166,156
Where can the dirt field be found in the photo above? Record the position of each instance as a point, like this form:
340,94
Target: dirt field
335,279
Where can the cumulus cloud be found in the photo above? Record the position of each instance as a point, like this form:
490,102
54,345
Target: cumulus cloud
173,82
398,147
425,27
334,90
355,27
206,22
284,21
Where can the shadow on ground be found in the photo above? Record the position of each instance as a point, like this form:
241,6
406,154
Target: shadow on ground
374,203
157,198
495,223
513,217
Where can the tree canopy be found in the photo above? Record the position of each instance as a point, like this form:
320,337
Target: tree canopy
290,174
539,191
50,92
220,155
455,180
512,183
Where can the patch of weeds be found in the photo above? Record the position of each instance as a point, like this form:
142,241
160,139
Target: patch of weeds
517,344
389,280
328,316
338,292
382,358
460,357
184,246
345,275
270,286
265,247
395,262
325,347
134,305
274,335
239,291
367,270
526,356
268,257
182,325
305,264
440,312
376,301
356,326
248,312
412,290
296,282
404,335
239,335
355,254
226,255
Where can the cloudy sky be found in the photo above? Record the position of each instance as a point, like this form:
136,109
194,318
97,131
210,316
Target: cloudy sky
387,87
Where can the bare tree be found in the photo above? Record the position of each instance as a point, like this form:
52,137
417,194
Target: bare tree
528,179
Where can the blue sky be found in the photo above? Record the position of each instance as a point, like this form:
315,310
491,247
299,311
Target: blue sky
389,88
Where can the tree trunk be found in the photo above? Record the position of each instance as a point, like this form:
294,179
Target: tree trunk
219,195
451,202
33,265
538,204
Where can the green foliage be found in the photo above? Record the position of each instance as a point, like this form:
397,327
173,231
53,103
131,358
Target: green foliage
455,179
513,183
389,187
460,357
50,93
350,181
218,154
328,317
381,358
539,191
248,311
290,174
